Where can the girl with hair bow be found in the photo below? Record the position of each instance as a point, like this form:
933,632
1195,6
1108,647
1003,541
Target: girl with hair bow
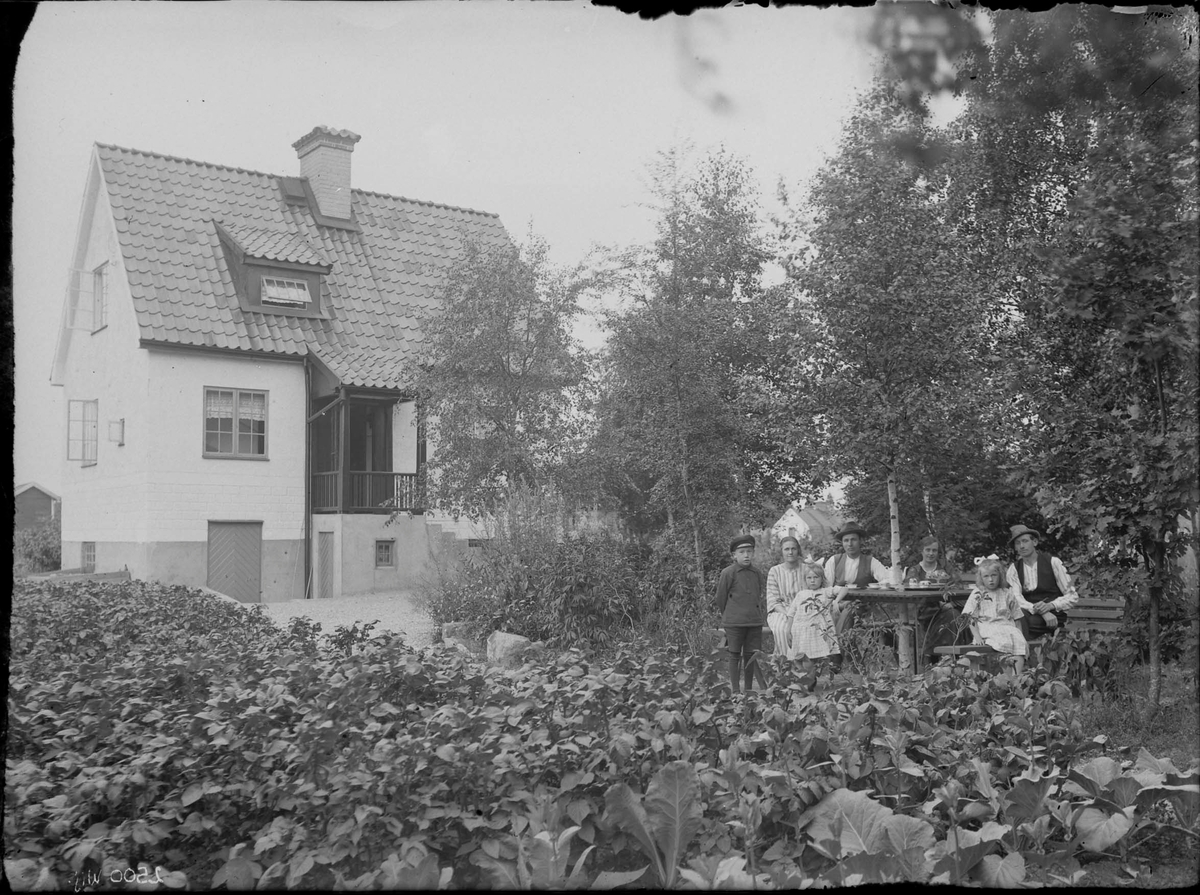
994,610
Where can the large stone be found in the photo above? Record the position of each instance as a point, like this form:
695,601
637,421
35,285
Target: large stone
455,636
506,649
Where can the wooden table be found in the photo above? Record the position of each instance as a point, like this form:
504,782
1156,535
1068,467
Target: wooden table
904,605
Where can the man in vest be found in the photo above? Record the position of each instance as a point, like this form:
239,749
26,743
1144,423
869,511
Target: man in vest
1042,582
848,567
852,568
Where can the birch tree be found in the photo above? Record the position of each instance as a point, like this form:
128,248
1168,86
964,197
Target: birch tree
898,332
496,375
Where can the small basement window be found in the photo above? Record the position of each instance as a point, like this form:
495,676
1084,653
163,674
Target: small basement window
285,293
385,556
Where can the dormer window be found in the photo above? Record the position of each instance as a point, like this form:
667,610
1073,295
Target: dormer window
273,271
285,293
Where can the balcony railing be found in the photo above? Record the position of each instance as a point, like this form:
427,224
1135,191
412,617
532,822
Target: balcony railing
366,492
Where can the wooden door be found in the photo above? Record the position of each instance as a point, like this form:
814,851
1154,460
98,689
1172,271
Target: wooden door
324,565
235,560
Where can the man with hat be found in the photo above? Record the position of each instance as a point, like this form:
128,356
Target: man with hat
847,567
742,602
1041,580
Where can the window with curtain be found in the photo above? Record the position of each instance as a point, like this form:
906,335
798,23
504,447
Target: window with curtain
235,423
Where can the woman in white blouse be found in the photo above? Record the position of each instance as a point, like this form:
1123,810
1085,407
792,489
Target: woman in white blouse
783,583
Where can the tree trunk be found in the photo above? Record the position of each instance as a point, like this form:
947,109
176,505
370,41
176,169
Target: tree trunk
906,632
696,546
894,514
1190,587
927,499
1158,576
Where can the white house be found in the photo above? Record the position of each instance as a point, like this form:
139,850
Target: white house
817,522
234,351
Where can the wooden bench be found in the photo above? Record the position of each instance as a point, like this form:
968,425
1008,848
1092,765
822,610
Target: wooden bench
1089,614
979,655
1096,614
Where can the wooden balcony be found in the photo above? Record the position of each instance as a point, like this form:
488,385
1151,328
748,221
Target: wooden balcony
366,492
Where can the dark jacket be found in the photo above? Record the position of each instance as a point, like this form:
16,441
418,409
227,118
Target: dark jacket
742,597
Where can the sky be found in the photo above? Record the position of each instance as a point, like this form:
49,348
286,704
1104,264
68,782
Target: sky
544,113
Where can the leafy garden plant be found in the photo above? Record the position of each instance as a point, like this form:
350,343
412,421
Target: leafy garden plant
158,727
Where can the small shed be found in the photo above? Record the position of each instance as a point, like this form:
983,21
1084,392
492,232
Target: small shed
35,506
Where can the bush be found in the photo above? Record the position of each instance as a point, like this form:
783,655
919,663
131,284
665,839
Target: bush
580,590
38,549
159,726
1176,611
594,588
536,577
162,727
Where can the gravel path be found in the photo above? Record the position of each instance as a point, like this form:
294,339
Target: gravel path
400,611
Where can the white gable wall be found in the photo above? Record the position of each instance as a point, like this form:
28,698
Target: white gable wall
188,490
146,504
105,503
790,523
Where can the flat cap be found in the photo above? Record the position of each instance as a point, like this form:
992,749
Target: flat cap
741,541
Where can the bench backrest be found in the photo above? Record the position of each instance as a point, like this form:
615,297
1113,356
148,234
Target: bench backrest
1096,614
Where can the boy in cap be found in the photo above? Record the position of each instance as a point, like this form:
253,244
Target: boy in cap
1042,582
741,600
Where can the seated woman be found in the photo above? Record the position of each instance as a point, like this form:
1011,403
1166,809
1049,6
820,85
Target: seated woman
940,622
783,582
994,610
931,567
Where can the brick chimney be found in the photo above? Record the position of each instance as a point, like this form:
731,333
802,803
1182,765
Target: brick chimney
325,160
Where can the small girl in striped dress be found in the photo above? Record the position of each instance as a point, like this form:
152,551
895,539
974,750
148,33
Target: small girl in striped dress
814,612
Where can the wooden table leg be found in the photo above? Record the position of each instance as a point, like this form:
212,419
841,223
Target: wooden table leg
904,639
918,639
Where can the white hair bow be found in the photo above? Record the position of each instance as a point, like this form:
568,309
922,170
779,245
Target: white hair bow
980,559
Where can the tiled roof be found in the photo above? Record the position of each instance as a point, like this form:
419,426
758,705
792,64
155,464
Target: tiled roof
369,367
382,277
820,519
273,245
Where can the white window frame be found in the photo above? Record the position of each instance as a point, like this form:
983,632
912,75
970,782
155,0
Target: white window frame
83,431
235,453
100,297
87,556
391,553
288,292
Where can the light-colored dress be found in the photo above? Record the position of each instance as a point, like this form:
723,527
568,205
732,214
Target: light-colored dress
996,614
782,585
813,632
